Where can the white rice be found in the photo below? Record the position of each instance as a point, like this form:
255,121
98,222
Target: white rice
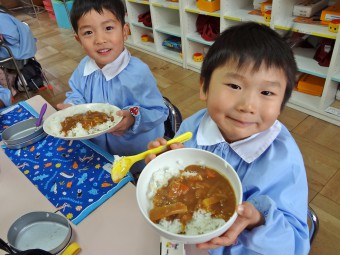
55,128
201,222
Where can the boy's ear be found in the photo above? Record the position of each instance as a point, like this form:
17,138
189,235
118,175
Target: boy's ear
77,38
203,95
126,30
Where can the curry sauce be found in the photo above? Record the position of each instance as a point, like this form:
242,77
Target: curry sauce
197,187
88,120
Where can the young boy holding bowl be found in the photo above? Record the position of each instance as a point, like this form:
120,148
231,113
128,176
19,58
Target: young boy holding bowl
246,79
109,74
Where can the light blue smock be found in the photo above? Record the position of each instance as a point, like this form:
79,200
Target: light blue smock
276,184
5,96
17,36
133,86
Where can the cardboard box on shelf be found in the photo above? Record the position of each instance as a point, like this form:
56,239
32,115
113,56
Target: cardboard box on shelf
330,13
308,8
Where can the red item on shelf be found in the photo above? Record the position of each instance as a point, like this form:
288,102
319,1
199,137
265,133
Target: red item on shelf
145,18
208,27
324,52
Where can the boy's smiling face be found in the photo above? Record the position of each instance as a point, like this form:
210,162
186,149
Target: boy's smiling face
243,102
102,36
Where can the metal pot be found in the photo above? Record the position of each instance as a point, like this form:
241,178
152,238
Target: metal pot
40,230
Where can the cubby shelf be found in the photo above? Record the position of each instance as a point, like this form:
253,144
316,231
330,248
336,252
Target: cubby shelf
171,18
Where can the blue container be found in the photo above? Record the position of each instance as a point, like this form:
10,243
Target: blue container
61,14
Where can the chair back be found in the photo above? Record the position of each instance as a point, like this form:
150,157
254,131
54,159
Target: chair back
173,121
313,224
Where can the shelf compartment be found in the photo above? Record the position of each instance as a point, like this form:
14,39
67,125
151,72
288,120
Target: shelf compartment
190,30
172,54
336,77
306,101
139,24
306,63
135,9
168,20
137,40
166,4
196,37
170,30
239,11
310,29
243,15
192,48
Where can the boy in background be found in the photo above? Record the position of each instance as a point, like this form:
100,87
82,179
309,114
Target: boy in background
246,79
109,74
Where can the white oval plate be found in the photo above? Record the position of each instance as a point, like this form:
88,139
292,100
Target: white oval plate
55,119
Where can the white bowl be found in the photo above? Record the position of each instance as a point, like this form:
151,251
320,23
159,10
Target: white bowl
177,159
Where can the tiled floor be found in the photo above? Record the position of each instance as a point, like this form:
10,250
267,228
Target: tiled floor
319,141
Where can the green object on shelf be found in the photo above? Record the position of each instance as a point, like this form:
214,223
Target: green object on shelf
61,11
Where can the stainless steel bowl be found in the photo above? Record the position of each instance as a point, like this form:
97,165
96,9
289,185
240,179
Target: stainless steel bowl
40,230
22,134
26,143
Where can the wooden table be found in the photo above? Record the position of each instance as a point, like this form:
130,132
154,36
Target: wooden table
115,227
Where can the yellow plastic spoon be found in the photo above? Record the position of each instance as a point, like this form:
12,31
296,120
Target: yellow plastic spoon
123,165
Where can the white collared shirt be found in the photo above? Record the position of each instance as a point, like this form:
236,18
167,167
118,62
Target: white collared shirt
110,70
248,149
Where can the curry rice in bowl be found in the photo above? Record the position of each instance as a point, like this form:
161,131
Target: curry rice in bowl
190,206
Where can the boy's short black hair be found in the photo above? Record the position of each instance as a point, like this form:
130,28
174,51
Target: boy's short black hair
81,7
251,43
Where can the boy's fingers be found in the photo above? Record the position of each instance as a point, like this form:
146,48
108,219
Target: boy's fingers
207,246
176,146
250,215
149,158
246,210
63,106
123,113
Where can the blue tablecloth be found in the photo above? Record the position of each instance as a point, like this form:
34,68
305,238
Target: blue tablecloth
73,175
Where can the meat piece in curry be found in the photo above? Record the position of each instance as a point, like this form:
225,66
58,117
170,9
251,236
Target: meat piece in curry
197,187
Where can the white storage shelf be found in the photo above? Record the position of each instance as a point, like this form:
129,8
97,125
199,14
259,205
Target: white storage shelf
179,19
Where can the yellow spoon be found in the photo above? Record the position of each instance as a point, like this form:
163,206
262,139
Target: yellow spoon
123,165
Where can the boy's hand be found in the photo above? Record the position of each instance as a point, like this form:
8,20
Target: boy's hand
127,121
248,218
158,142
63,106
